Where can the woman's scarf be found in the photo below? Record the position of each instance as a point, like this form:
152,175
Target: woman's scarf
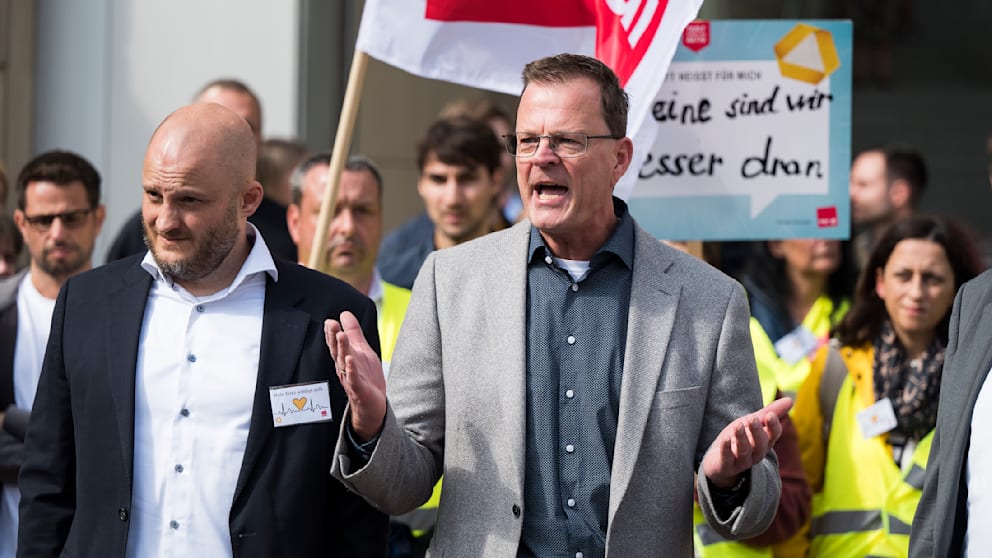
913,387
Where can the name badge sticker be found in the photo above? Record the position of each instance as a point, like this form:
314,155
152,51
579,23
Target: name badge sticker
300,403
796,345
877,419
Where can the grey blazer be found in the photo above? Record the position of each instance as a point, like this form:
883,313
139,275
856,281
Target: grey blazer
457,402
942,516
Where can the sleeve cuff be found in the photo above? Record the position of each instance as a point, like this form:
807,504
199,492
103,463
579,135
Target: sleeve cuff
361,450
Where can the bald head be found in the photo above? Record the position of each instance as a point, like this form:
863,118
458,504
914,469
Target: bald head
206,134
236,96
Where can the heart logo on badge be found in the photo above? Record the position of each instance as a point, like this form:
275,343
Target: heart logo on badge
300,403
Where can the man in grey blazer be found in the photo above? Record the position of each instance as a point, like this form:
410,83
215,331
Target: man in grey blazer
952,517
568,375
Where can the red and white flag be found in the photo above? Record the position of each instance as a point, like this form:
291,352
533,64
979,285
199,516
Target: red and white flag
487,44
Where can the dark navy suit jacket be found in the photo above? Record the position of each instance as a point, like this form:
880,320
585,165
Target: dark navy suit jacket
77,476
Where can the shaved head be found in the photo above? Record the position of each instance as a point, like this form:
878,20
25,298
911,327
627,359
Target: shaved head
208,133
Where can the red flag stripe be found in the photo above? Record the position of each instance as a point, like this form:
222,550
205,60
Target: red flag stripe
560,13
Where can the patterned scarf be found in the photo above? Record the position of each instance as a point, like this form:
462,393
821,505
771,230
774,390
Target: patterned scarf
912,387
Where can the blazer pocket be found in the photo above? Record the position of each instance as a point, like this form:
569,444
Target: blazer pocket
674,398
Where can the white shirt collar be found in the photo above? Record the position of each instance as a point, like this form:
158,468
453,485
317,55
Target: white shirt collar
259,260
375,288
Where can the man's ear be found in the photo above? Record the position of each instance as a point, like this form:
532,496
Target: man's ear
293,222
251,198
900,193
20,222
624,155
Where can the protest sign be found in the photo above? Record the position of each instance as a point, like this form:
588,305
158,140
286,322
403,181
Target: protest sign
753,134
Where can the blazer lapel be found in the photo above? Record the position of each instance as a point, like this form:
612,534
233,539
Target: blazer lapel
506,311
126,311
653,301
981,361
284,329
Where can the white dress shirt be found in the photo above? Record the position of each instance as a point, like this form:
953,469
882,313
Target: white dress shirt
198,360
978,536
34,321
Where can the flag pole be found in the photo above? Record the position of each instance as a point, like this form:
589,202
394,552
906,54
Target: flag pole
339,153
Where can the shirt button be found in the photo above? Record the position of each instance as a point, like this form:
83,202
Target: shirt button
184,412
548,260
122,513
174,524
569,393
569,448
191,357
575,287
199,308
571,339
578,555
570,502
516,510
179,468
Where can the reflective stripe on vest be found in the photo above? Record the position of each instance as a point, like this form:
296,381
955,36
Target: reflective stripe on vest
867,503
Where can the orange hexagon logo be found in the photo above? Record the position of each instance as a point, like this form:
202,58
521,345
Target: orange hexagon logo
807,53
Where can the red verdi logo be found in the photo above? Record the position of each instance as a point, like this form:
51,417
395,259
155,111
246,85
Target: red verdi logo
624,28
696,36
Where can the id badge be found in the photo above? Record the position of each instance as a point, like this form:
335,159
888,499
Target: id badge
877,419
300,403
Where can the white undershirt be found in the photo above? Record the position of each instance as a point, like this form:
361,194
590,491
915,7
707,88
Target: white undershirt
576,268
199,355
978,537
34,321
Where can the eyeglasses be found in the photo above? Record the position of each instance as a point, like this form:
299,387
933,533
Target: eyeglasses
564,144
70,219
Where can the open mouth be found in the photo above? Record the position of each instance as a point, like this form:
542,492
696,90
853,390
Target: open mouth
549,191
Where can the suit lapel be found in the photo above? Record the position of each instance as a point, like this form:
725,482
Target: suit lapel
653,301
126,310
980,364
284,329
506,311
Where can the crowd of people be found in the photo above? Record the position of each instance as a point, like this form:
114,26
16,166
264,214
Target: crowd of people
520,370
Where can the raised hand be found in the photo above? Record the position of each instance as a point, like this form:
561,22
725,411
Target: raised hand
360,373
743,443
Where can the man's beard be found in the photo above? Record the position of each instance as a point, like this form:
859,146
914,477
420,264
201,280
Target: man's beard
64,268
208,251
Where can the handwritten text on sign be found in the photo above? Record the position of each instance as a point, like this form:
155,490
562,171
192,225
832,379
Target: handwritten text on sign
738,128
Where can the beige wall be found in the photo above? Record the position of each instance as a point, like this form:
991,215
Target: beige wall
16,86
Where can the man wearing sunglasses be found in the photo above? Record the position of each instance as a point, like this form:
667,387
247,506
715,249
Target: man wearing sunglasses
570,375
59,215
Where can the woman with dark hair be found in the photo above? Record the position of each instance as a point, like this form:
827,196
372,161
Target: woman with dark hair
866,413
798,289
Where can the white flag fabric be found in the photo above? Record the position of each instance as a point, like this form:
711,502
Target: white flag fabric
487,44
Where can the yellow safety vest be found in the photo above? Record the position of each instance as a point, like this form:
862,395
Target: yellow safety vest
778,375
867,503
394,302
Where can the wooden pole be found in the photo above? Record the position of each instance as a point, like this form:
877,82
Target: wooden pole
339,153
